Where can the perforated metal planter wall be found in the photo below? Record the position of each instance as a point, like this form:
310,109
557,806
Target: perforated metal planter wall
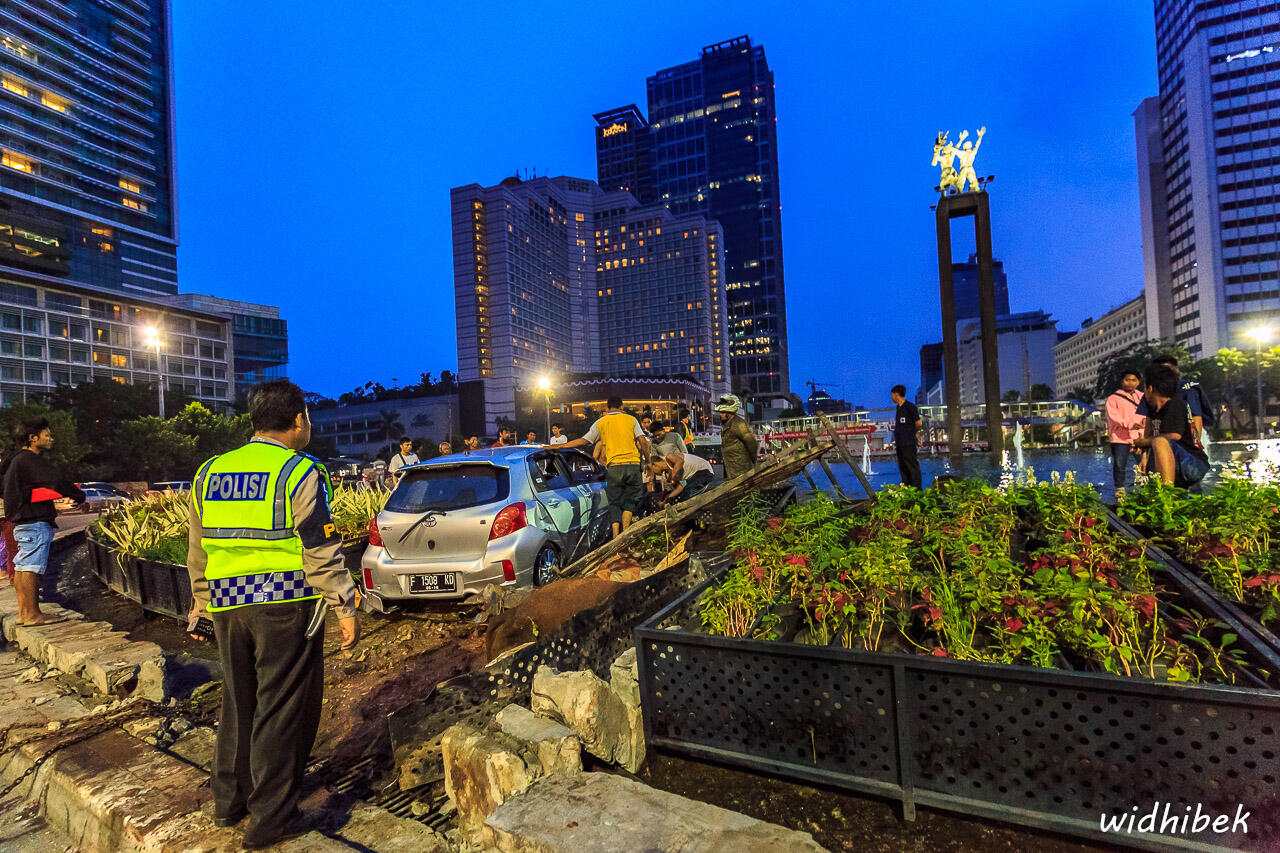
1042,748
163,587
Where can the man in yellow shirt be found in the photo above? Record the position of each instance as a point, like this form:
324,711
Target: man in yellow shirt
624,446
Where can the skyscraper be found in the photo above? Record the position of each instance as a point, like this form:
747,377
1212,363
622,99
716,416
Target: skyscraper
87,137
710,147
555,276
1208,155
88,226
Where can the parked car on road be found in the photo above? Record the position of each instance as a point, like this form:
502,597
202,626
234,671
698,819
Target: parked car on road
506,516
96,500
168,487
106,487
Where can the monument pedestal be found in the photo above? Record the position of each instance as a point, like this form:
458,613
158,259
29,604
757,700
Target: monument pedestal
951,207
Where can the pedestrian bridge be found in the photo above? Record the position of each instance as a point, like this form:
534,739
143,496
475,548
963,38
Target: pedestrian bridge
1076,417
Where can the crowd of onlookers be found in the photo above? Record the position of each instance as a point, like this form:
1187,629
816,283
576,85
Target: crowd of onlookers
648,462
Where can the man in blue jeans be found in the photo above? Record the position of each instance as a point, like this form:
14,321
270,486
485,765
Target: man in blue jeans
30,488
1176,453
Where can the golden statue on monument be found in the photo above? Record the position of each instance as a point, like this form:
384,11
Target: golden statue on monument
945,153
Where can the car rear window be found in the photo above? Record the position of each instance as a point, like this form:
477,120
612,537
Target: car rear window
449,487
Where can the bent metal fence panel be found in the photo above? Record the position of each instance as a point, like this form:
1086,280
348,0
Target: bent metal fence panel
592,639
1043,748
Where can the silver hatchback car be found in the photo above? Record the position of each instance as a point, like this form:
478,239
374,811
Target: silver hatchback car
506,516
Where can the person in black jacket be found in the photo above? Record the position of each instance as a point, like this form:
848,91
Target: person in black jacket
30,488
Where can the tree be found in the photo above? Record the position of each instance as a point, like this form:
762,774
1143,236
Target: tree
1040,392
1011,397
390,426
1137,357
68,452
1229,378
99,406
1081,394
213,433
1224,379
151,449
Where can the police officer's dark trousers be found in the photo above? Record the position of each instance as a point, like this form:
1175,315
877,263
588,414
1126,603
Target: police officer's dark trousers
273,684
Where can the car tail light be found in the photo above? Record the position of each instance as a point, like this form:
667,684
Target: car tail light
375,538
508,521
368,578
508,570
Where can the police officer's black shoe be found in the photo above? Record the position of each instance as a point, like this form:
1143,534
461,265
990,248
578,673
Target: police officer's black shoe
210,811
257,838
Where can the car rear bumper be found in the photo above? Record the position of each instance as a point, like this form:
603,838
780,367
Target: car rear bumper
387,579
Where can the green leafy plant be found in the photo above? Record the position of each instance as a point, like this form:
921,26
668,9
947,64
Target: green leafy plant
1028,575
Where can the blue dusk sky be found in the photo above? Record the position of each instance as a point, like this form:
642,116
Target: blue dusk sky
317,143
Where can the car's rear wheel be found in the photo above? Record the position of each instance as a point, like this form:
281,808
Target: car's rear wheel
546,566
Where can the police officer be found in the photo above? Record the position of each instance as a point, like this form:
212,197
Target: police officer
265,561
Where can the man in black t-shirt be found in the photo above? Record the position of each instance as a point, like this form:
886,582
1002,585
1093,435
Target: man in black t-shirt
1176,453
905,425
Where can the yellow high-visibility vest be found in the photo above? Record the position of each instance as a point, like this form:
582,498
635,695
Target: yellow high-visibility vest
246,515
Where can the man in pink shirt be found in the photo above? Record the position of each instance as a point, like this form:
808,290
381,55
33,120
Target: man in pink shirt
1124,425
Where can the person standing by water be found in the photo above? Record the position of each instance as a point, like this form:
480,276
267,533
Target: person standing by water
30,488
738,445
1124,424
906,424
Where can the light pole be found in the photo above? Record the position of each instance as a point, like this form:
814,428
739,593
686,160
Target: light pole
151,337
1260,335
544,385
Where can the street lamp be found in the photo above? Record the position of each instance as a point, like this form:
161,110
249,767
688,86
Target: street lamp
1260,335
544,385
151,337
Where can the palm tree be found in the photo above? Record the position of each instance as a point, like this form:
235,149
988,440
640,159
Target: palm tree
390,426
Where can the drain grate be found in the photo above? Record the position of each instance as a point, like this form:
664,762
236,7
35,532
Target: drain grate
426,804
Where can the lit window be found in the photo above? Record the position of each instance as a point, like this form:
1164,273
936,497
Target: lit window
16,161
131,186
14,85
53,102
19,49
136,205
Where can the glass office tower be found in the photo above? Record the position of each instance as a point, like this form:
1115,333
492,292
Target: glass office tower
710,144
1209,168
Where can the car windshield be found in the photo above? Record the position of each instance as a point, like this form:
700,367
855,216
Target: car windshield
449,487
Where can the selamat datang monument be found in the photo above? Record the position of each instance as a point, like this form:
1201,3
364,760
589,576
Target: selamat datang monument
955,202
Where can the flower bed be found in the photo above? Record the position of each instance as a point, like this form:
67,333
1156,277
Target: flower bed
1030,576
1226,535
1021,613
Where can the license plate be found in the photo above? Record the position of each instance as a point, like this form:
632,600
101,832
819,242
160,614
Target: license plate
443,582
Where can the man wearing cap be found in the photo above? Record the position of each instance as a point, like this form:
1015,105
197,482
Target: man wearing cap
738,445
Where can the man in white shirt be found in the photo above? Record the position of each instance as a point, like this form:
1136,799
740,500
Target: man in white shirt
557,435
406,456
693,472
